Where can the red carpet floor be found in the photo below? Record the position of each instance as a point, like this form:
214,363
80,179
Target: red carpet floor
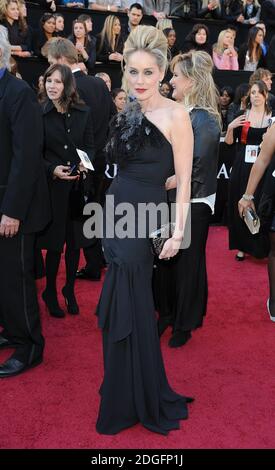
228,367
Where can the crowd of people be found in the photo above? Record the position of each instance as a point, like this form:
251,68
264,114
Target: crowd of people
160,133
108,45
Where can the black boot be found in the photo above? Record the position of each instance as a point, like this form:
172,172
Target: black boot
70,300
50,299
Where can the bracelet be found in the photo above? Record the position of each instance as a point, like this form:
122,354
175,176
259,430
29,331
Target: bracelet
248,197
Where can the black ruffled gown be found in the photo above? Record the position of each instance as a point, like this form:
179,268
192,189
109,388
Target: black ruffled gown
135,388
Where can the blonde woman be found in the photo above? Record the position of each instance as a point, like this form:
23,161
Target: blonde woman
110,41
182,291
151,137
225,56
18,31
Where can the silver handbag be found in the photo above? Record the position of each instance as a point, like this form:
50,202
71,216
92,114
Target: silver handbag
252,221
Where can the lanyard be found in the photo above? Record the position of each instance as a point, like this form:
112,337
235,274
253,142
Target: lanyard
245,129
244,133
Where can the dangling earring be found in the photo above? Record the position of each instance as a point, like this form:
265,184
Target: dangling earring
160,82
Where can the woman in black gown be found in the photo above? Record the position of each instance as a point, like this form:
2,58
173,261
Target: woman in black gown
248,129
150,139
264,163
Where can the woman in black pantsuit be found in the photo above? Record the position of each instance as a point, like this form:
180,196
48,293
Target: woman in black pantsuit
193,86
67,127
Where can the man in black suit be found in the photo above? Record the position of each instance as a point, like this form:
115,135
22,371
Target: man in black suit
95,94
24,210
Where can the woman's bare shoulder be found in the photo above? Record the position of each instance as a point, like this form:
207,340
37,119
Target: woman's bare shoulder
179,112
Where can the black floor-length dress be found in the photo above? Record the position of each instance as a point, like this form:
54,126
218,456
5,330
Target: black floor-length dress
240,237
135,388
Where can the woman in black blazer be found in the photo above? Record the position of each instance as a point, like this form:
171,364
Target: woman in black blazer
19,34
198,40
67,127
85,46
110,41
45,32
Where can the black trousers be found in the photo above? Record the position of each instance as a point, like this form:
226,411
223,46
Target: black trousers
19,310
180,285
93,254
191,275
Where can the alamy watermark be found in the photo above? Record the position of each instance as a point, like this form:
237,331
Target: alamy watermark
140,220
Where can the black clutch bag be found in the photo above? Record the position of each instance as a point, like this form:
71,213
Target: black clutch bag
159,237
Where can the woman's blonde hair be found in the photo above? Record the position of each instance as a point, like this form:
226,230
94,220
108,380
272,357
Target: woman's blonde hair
198,66
255,2
147,39
219,47
3,7
3,11
107,32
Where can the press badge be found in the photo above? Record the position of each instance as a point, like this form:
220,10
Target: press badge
251,153
85,159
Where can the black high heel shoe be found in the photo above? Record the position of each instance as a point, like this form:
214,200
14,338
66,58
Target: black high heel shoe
51,302
70,300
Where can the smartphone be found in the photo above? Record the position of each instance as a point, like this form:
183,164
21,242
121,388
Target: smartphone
271,121
73,170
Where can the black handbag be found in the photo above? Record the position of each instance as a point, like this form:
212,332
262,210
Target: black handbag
160,236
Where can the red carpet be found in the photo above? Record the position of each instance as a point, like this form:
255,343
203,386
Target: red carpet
228,367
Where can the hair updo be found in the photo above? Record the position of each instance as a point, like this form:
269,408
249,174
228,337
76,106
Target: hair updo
147,39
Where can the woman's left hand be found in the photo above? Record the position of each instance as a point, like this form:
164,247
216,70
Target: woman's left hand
170,248
82,168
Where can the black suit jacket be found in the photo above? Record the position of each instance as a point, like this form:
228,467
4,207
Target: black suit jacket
23,185
95,94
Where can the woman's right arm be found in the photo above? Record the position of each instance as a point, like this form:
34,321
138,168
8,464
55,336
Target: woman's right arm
239,121
258,169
